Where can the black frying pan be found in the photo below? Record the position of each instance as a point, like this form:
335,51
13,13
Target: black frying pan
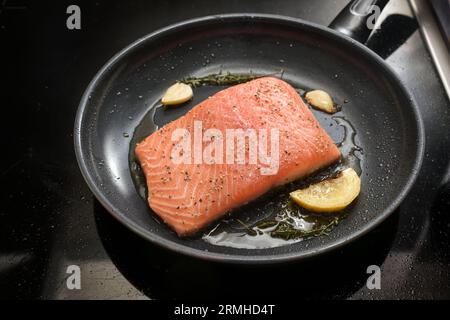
379,107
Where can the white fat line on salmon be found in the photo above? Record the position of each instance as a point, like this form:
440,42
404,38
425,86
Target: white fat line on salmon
249,146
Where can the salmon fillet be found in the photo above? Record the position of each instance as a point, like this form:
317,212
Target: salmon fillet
190,194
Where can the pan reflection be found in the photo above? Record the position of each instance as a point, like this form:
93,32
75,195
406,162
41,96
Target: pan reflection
161,274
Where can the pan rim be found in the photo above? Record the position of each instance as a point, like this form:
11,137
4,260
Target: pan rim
234,258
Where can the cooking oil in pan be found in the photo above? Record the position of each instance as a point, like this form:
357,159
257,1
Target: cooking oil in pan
273,220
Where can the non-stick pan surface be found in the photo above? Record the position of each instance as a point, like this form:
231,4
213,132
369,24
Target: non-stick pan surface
386,120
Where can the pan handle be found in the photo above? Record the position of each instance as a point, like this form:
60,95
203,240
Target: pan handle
356,19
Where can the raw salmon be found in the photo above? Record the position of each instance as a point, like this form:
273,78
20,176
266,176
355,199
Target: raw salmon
192,193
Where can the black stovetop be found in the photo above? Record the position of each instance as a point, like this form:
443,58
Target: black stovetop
49,219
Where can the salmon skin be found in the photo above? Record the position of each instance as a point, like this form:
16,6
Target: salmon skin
189,191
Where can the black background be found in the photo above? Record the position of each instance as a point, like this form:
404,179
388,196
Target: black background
49,219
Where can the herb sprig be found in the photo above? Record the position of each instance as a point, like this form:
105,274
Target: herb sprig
287,232
222,79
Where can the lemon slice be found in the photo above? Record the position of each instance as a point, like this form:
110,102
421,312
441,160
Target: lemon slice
177,94
330,195
321,100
